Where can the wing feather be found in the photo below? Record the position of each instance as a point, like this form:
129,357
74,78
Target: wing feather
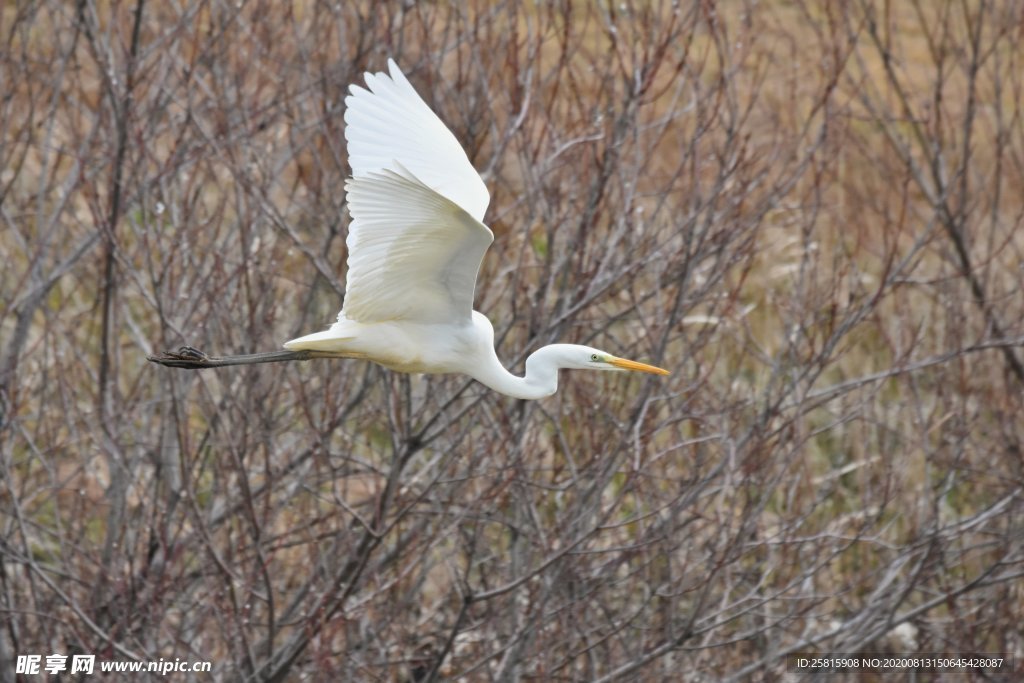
389,126
414,254
415,240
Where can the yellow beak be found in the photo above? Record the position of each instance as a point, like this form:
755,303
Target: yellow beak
633,365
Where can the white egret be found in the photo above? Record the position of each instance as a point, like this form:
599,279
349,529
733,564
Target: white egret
415,245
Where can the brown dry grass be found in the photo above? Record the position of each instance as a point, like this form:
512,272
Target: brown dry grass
809,210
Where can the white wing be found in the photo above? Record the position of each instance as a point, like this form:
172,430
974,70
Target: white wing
390,123
415,241
413,254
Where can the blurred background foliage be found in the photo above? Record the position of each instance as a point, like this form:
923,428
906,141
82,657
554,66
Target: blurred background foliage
809,211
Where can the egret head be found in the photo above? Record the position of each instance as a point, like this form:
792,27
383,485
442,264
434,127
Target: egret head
588,358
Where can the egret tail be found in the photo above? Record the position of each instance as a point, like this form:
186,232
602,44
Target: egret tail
328,340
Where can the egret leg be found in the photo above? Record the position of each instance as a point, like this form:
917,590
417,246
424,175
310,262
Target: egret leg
191,358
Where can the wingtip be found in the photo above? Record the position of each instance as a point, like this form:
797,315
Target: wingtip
375,80
397,75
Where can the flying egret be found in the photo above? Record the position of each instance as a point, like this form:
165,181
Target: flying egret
415,245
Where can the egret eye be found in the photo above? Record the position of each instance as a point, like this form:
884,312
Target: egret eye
594,357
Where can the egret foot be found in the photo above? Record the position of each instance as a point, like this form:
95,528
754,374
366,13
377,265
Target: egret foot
191,352
185,357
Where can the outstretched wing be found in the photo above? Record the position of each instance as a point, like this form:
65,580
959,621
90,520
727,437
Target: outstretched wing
390,123
415,241
413,254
